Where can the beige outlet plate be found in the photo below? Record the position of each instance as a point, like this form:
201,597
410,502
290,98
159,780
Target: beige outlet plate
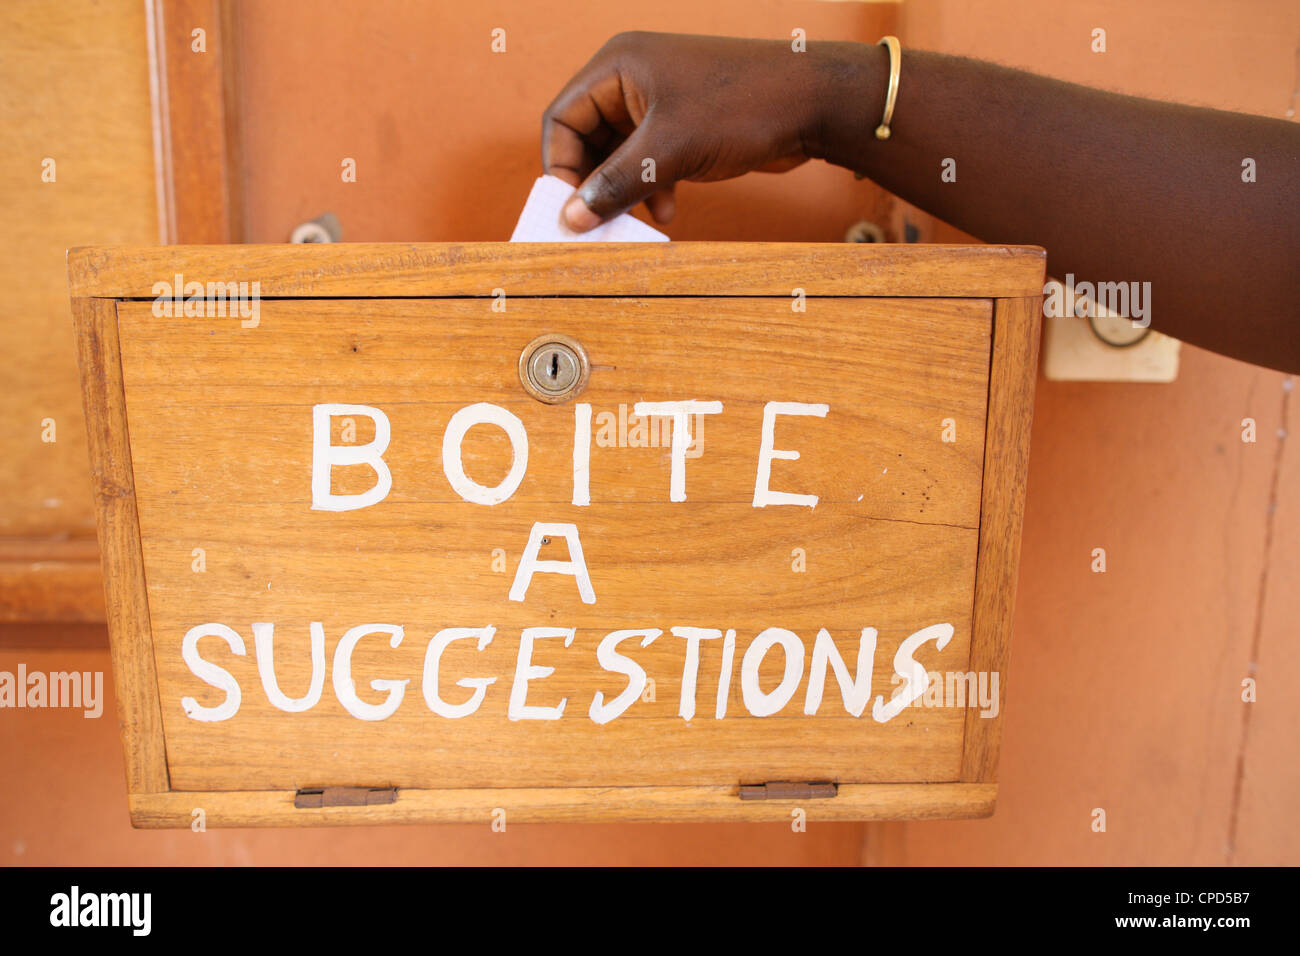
1073,353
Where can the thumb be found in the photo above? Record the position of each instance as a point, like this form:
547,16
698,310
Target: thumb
628,176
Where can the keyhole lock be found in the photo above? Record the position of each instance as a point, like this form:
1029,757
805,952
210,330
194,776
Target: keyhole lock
553,368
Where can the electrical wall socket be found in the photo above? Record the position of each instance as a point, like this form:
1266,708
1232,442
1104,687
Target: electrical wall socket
1074,350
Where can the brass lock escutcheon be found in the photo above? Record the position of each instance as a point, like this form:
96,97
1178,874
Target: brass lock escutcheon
554,368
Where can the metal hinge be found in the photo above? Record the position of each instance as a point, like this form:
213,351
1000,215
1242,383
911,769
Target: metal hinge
313,797
789,791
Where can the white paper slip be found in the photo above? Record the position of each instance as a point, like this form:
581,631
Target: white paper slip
540,221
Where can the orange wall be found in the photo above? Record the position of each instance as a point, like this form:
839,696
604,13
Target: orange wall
1124,691
445,133
1124,688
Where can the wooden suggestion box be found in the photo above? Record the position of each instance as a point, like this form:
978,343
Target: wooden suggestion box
488,532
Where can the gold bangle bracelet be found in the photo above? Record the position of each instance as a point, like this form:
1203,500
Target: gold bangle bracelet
895,62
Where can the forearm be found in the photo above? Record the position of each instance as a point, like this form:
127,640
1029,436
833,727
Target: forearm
1116,188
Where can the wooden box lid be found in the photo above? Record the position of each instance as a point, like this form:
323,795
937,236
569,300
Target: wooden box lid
764,561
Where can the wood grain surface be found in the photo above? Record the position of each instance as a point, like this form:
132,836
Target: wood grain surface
916,353
76,168
221,436
560,268
888,801
113,485
1016,326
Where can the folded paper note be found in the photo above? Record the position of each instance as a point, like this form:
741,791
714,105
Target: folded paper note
540,221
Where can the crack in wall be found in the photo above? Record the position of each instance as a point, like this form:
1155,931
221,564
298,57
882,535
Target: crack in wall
1260,604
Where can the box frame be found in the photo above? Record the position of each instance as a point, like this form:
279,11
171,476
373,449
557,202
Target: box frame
1011,276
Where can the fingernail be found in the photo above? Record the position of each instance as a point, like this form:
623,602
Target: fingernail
577,216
